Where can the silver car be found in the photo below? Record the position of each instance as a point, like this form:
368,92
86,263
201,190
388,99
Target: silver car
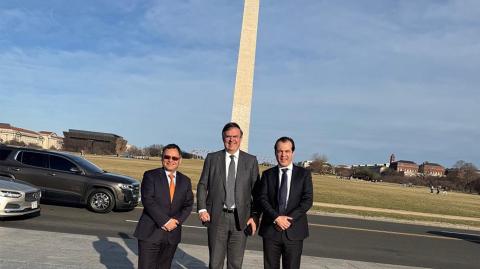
17,198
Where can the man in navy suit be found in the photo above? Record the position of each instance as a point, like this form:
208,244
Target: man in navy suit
167,200
285,197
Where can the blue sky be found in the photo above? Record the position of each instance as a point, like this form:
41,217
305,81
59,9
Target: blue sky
353,80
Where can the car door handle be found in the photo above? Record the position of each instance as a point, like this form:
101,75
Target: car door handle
52,174
15,169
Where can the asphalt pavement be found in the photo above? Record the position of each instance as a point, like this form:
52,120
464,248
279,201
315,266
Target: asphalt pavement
22,249
73,237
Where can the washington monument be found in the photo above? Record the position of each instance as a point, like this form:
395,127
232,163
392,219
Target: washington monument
242,97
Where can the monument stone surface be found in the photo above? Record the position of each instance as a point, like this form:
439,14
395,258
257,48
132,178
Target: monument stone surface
242,98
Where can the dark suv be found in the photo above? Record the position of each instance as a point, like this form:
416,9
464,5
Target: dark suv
64,177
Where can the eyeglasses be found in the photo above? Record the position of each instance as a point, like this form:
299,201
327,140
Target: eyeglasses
232,137
168,157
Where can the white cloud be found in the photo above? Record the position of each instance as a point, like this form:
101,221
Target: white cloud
336,72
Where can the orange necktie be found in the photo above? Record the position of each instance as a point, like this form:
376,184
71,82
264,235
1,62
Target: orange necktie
172,186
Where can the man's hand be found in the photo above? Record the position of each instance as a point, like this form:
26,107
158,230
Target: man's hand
252,223
283,222
204,216
170,225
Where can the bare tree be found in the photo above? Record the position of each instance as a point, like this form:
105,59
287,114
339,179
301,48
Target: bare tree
134,151
320,165
154,150
463,175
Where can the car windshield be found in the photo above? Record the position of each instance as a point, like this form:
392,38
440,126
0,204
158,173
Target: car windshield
87,165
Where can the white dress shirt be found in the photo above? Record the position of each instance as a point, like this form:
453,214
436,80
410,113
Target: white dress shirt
174,177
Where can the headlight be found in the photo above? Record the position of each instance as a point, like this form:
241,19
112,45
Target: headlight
125,186
11,194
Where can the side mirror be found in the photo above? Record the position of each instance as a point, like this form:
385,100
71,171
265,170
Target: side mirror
75,170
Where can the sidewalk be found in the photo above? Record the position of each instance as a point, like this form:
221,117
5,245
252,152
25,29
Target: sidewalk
26,249
396,211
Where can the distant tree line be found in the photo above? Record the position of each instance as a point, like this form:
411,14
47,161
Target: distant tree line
463,177
154,150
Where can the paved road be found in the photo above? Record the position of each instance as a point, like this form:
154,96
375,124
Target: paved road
330,237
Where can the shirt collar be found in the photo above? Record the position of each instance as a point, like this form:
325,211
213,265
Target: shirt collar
290,168
174,173
236,154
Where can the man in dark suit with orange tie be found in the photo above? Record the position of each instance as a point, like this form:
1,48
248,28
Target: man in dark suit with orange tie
285,197
167,200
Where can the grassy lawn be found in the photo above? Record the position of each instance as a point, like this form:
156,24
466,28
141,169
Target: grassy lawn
400,217
328,189
394,196
135,168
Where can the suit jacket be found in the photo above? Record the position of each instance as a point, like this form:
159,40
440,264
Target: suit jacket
300,200
211,189
157,208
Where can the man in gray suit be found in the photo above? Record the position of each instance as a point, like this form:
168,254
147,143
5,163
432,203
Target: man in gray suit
225,199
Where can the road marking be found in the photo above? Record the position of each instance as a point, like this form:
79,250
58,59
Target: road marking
141,207
385,232
361,229
188,226
196,227
367,230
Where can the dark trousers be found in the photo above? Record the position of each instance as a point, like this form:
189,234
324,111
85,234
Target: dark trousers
223,239
289,250
152,255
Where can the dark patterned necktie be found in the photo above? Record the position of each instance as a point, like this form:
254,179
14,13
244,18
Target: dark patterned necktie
230,199
282,194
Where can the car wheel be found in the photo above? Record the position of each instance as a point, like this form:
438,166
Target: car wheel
101,201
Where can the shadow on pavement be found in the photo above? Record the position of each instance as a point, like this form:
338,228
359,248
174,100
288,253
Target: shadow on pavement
467,237
131,242
184,260
65,204
181,259
22,217
112,254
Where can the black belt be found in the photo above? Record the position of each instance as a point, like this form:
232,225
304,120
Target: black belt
228,210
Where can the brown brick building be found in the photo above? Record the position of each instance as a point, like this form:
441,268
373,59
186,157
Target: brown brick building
408,168
93,142
431,169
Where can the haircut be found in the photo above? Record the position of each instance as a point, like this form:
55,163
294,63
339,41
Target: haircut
284,139
229,126
172,146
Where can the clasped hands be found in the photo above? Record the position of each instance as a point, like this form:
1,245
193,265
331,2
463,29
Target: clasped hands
204,216
283,222
170,225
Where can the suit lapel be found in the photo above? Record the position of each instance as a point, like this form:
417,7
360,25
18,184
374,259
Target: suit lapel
276,185
240,172
294,186
223,173
178,187
164,187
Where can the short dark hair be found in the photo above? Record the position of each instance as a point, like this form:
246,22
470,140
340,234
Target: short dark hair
284,139
172,146
229,126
